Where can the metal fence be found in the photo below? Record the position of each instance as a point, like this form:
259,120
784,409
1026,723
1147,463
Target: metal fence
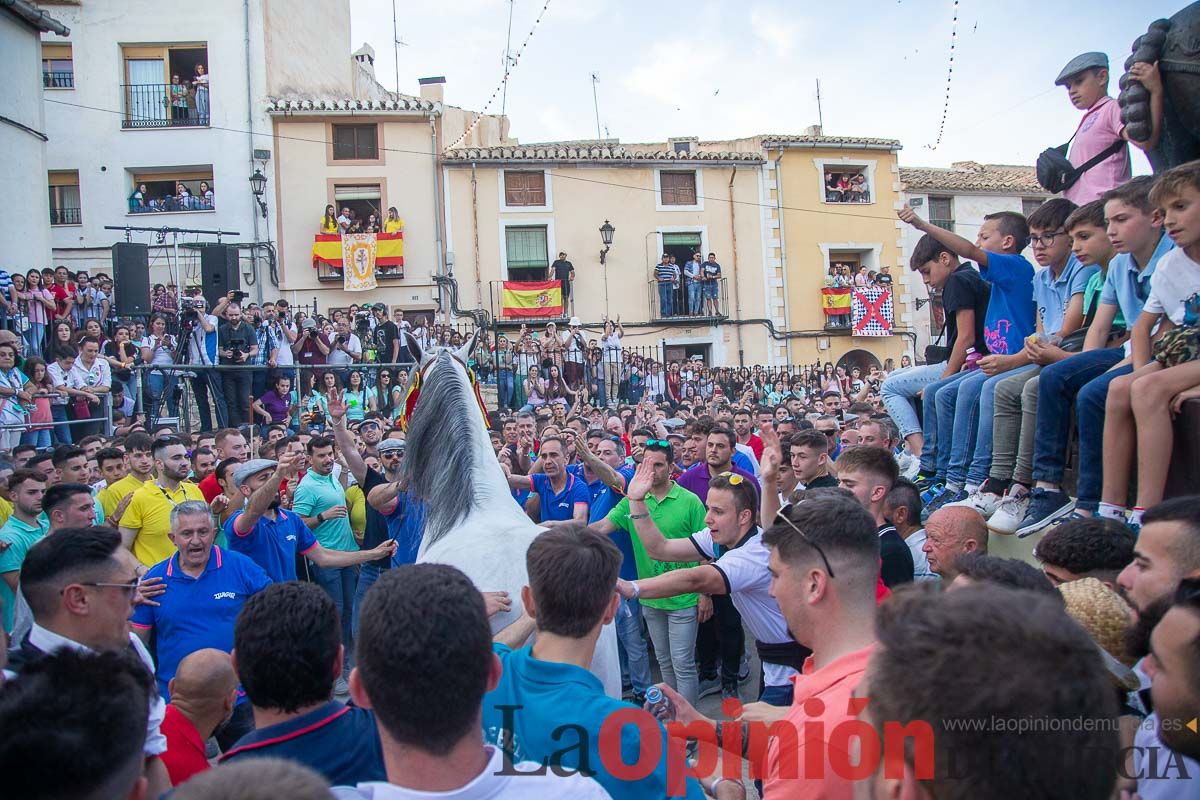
689,300
58,80
164,105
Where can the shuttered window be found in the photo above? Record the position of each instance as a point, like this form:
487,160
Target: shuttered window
678,188
527,253
355,143
525,188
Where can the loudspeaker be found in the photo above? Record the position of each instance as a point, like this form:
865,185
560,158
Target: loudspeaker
219,272
131,277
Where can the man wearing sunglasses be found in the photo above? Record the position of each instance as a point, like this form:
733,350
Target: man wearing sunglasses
81,594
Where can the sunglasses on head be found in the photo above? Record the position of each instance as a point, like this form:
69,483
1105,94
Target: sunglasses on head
781,516
733,478
658,442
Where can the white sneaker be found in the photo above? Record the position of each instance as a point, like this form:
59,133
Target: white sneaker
1008,515
985,503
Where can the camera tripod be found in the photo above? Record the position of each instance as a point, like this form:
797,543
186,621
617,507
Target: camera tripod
173,389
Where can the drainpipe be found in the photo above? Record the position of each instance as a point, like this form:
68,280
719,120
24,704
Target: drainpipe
787,317
439,206
258,292
737,295
475,232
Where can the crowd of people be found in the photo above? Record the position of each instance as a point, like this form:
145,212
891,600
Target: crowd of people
349,221
213,612
143,201
692,289
845,187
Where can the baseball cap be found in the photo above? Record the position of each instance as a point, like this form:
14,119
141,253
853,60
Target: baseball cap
308,323
391,444
251,468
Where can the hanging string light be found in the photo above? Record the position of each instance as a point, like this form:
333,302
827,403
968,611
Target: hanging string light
949,78
509,66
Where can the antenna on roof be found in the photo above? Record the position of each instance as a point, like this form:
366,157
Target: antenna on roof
508,60
397,43
820,117
596,104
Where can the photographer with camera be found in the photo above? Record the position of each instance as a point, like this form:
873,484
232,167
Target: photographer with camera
237,345
346,349
200,330
311,348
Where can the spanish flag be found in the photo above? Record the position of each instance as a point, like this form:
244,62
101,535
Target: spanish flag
836,301
532,299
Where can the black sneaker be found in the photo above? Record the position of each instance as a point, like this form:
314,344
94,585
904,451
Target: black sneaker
1045,506
924,480
709,686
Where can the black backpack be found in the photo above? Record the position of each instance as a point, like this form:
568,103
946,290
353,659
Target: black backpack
1056,173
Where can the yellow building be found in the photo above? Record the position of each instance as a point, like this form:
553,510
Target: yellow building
511,210
810,226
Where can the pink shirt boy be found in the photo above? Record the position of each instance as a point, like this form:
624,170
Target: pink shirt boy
1101,126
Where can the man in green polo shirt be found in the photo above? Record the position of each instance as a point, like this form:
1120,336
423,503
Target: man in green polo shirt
21,532
672,620
321,500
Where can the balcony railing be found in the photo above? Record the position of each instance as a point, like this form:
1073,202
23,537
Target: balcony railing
153,105
155,204
679,305
58,80
328,274
64,216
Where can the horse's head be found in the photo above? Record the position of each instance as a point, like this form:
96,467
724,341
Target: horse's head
425,358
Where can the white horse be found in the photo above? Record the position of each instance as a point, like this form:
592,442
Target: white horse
471,520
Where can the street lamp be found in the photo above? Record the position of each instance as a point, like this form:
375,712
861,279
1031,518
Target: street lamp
606,237
258,184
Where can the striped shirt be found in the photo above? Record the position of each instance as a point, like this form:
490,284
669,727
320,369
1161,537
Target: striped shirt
664,273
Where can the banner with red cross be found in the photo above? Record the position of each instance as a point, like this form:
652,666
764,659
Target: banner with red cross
872,311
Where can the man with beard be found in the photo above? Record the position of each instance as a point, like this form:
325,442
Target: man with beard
1166,553
206,588
204,462
1174,670
371,431
141,469
228,443
146,523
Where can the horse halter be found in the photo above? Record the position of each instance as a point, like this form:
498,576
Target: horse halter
414,392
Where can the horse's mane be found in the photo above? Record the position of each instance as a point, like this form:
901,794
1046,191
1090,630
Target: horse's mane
439,459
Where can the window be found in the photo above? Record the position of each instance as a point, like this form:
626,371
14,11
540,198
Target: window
355,142
58,70
524,188
678,188
158,191
526,253
64,197
1030,204
165,86
362,200
941,212
847,184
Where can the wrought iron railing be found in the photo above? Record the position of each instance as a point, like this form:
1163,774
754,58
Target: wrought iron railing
64,216
164,105
58,80
681,304
328,274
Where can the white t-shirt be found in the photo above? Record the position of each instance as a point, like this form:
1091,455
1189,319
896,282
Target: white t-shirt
574,350
748,583
199,345
339,358
98,375
58,379
284,358
493,783
612,349
1174,288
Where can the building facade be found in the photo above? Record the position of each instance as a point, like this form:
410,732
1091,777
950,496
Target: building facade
958,198
23,135
512,210
810,227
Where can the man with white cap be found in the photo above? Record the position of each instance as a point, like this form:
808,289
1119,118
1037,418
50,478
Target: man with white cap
271,536
574,348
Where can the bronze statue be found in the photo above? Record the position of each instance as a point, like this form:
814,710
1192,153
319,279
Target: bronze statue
1174,45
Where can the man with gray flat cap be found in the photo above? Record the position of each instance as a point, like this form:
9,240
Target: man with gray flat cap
270,535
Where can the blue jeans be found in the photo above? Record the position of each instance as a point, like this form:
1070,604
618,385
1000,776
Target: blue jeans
155,383
39,439
981,463
505,387
666,299
62,433
973,409
938,426
778,695
693,296
1058,386
341,583
901,388
1089,416
631,645
367,575
34,338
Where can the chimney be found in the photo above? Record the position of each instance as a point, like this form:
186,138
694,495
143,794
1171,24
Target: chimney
365,56
813,130
432,89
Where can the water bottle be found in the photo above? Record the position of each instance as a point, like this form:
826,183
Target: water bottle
659,705
972,361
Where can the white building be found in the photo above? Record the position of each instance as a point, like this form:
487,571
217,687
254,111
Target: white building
957,198
23,134
123,138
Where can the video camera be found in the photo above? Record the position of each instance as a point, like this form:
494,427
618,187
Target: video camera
188,313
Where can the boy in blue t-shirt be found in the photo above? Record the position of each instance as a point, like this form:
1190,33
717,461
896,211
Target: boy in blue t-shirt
547,709
1010,317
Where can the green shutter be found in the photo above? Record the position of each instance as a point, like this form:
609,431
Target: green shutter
526,248
685,239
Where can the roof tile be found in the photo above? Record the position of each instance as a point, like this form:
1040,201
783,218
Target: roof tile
969,176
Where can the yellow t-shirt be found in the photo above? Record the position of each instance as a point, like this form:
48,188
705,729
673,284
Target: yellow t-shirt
6,509
393,225
111,496
356,504
328,226
149,513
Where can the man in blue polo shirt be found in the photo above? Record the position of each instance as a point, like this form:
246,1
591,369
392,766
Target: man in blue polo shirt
272,536
561,496
205,589
288,653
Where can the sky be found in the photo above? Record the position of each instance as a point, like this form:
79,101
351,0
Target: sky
719,70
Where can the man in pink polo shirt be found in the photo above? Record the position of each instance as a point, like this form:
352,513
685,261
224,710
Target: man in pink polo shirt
1086,80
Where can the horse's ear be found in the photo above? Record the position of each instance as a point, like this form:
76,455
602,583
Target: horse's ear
414,348
468,347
